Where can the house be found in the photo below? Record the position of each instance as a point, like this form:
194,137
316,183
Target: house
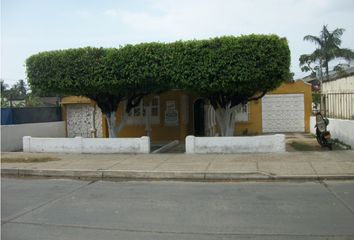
176,114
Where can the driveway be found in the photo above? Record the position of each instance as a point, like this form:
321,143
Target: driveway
302,142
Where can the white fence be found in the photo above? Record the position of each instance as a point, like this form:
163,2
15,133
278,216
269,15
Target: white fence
87,145
263,144
11,135
343,130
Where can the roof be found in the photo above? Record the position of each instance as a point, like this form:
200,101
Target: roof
333,75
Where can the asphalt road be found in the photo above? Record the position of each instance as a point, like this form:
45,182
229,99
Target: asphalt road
68,209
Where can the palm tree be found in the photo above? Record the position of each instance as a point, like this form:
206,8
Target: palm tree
4,93
20,88
328,48
4,86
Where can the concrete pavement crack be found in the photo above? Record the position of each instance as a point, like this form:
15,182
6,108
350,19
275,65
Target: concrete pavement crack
208,166
47,202
314,170
113,165
124,229
337,197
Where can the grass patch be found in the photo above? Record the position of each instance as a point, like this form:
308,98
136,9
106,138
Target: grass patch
301,146
27,159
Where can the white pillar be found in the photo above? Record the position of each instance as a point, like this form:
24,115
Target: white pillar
190,142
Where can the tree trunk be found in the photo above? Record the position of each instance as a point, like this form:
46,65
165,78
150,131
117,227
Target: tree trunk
327,70
225,118
113,127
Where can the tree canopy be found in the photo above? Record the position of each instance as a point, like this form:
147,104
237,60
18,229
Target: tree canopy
232,70
226,70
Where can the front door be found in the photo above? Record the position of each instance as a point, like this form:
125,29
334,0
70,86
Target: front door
199,118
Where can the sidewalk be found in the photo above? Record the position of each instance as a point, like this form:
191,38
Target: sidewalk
311,165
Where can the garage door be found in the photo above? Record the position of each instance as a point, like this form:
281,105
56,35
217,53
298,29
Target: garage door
283,113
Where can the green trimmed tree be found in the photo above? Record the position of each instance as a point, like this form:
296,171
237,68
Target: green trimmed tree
227,71
107,76
230,71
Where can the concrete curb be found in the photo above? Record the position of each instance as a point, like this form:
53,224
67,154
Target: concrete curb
166,175
59,173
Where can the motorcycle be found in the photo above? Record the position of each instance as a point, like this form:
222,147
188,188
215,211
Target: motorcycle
323,136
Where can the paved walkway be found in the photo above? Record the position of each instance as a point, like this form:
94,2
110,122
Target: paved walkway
311,165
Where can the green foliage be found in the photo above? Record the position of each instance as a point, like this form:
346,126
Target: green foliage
232,70
17,91
316,98
33,100
72,71
4,103
340,71
14,96
225,69
107,76
328,49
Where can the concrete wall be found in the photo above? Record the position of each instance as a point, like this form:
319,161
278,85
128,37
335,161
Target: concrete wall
87,145
341,129
268,143
79,120
11,135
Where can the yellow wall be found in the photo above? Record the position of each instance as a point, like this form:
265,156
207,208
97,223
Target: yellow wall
254,125
299,87
160,132
163,133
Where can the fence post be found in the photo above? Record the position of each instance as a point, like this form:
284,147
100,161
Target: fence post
322,106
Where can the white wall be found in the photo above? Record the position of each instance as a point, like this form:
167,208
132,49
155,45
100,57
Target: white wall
11,135
345,84
343,130
267,143
87,145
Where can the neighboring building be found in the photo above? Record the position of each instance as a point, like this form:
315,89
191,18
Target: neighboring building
338,81
49,101
339,85
339,97
176,114
337,93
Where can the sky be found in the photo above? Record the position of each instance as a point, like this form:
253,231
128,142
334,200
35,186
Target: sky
32,26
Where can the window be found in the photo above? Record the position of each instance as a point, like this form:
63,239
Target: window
242,113
137,114
155,107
